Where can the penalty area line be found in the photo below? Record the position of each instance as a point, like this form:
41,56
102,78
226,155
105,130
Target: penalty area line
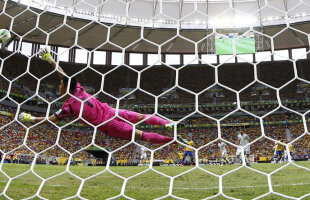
187,188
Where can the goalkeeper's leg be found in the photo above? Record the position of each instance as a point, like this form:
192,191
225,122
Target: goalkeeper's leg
121,129
135,117
152,137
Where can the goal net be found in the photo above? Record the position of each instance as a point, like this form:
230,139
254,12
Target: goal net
231,76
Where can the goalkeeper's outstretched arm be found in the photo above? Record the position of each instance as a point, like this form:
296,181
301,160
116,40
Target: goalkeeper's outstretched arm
25,117
46,56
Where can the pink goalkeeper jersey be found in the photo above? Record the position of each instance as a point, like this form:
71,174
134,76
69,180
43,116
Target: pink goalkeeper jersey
94,111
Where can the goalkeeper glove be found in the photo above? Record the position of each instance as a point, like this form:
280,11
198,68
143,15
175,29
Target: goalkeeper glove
24,117
45,55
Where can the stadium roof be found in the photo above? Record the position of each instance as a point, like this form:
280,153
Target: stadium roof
165,13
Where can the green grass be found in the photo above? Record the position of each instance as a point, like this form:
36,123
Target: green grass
196,184
242,45
245,45
223,46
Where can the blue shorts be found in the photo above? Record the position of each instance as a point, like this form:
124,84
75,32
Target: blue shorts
278,153
190,153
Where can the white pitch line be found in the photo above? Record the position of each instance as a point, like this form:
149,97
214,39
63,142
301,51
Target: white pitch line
234,187
207,188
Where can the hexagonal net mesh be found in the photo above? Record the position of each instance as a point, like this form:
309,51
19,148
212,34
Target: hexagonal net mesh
219,95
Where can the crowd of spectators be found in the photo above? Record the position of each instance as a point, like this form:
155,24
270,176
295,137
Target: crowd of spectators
39,138
43,136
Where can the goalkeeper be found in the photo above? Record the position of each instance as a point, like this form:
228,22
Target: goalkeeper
96,112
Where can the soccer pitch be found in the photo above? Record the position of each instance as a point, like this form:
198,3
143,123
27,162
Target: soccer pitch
241,184
243,46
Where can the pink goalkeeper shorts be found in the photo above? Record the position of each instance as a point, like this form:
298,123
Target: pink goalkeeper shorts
119,128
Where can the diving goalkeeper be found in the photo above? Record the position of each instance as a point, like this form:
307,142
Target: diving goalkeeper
96,112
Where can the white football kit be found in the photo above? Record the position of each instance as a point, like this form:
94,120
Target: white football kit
143,153
223,150
243,141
